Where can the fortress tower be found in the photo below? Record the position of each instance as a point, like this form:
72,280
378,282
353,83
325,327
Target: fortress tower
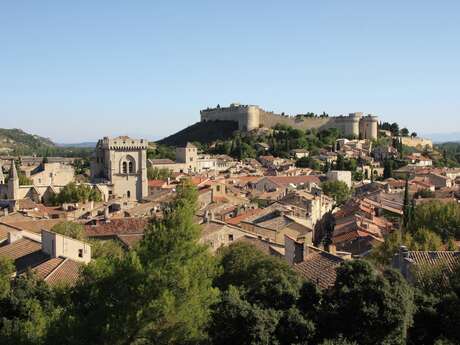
368,127
251,117
349,125
121,163
247,116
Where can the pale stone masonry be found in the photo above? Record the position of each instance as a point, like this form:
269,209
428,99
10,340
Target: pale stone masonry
250,117
121,164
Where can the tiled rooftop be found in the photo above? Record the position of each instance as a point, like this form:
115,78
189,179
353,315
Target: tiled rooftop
319,268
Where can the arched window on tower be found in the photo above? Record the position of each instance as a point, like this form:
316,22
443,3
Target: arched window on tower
128,194
131,167
125,168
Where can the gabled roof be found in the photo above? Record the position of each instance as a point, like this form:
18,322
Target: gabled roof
449,259
25,253
161,161
66,273
156,183
319,267
117,226
284,181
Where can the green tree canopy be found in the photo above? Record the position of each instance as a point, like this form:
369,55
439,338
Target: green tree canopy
369,307
159,293
338,190
6,270
74,193
70,229
442,218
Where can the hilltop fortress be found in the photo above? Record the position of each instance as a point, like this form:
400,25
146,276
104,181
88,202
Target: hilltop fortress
251,117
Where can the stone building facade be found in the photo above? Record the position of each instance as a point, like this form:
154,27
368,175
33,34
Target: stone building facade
121,164
189,161
250,117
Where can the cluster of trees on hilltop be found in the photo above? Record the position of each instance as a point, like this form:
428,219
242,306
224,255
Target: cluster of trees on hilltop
395,130
171,290
280,141
450,154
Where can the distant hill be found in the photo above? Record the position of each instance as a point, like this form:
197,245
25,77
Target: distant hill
443,137
89,144
16,140
203,132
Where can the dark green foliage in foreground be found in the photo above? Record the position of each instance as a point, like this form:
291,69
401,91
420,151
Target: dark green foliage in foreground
171,290
160,293
364,305
27,312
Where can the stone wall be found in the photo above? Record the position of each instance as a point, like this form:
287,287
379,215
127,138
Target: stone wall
268,119
416,142
250,117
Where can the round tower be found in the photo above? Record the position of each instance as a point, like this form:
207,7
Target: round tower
253,117
368,127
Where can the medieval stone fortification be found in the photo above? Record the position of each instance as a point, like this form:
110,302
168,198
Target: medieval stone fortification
251,117
121,163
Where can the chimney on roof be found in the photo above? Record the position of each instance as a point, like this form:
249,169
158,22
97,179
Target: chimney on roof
404,251
332,249
206,217
295,251
106,214
13,236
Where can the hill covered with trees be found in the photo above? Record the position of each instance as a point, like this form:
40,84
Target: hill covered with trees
17,139
203,132
16,142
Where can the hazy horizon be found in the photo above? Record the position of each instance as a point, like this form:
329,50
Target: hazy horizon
75,72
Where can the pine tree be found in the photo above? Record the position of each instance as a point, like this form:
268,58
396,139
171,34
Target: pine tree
388,168
161,292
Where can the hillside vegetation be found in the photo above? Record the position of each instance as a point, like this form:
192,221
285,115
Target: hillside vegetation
12,140
16,142
203,132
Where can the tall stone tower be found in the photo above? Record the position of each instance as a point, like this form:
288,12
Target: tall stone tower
368,127
13,183
121,162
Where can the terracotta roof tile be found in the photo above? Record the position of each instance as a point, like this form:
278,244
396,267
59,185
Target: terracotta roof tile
66,274
122,226
130,241
286,180
450,259
319,268
45,268
238,219
25,253
156,183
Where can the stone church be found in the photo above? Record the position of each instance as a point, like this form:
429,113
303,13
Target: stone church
121,164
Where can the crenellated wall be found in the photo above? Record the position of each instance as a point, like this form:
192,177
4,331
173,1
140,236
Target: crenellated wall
251,117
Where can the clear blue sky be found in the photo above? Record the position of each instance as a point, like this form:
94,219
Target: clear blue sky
78,70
